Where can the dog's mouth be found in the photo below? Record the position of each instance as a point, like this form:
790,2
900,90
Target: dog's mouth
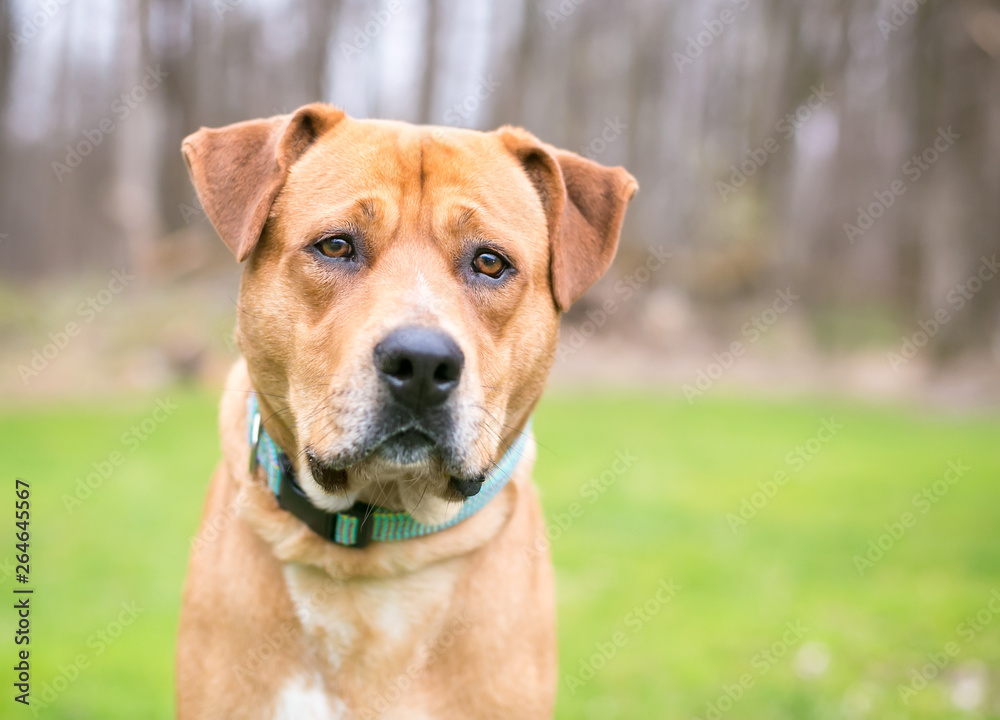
407,462
415,446
403,440
408,447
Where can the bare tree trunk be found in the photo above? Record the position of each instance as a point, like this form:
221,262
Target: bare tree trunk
321,14
428,85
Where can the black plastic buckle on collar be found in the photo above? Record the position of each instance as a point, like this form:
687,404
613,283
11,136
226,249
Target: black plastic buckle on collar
293,498
365,515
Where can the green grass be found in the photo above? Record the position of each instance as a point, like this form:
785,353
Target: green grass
664,518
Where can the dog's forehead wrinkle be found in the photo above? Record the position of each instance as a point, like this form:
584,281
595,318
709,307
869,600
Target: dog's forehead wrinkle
466,215
369,208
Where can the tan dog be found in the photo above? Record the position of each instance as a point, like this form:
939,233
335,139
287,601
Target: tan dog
398,317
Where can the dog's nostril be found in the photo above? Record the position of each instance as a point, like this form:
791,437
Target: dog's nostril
446,373
395,366
404,369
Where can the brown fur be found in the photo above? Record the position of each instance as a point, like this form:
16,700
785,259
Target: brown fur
459,624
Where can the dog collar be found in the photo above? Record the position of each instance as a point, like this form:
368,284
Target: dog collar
361,523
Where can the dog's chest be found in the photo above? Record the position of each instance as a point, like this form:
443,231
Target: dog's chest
366,638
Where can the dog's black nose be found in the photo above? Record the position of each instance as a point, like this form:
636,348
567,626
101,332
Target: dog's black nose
420,365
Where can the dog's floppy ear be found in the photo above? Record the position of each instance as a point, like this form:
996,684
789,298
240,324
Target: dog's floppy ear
238,169
585,206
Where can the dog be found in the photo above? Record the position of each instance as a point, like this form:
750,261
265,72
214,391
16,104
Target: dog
372,545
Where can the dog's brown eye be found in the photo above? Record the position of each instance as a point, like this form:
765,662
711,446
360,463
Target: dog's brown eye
489,263
335,247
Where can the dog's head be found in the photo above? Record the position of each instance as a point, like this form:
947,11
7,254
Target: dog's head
399,308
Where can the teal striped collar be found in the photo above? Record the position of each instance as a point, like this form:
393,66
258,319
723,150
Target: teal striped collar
361,524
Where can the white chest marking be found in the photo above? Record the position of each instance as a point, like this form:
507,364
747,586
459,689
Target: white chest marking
302,698
314,597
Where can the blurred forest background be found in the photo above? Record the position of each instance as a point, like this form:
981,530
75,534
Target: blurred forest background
780,147
818,222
